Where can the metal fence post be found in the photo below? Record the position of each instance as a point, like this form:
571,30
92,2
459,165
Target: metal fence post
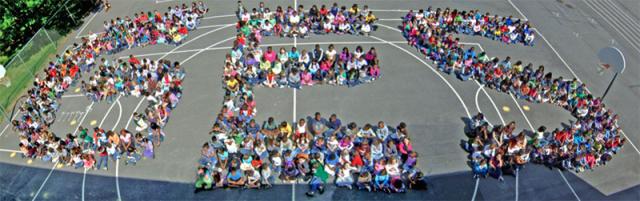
20,57
70,14
49,37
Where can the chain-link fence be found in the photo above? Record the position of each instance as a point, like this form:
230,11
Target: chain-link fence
27,63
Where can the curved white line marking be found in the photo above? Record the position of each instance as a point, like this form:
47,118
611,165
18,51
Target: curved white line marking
195,39
138,106
210,46
522,111
86,112
433,70
134,111
118,160
490,100
119,115
84,175
108,112
478,105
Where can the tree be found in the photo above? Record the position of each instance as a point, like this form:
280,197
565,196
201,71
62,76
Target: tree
21,19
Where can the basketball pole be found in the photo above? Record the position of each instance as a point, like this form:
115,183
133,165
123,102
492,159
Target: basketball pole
611,57
609,87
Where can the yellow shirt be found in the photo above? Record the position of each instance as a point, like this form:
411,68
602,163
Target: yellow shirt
287,129
232,83
353,10
265,65
370,18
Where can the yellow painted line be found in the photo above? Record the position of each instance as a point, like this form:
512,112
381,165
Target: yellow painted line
93,123
77,90
73,122
526,108
506,108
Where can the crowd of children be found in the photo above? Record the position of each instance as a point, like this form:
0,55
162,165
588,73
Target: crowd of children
422,25
158,81
243,153
588,142
300,22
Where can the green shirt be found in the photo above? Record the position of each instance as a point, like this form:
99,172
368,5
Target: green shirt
321,174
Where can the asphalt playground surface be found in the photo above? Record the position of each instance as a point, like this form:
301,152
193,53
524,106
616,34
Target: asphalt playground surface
434,105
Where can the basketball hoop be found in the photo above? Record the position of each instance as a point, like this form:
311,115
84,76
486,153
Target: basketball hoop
611,58
603,67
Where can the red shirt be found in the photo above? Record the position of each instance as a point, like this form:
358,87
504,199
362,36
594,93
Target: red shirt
562,136
357,161
183,30
134,60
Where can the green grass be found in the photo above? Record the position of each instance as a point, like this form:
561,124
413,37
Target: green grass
21,76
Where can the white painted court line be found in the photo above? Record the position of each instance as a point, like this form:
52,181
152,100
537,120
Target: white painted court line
490,100
624,30
119,115
84,178
522,111
134,111
9,124
478,105
85,25
86,112
570,70
532,129
195,39
44,182
163,1
518,10
389,10
202,50
392,28
10,150
393,19
475,191
117,179
569,185
213,26
466,109
108,112
73,95
218,16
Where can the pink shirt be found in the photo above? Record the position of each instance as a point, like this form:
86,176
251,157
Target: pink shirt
270,56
